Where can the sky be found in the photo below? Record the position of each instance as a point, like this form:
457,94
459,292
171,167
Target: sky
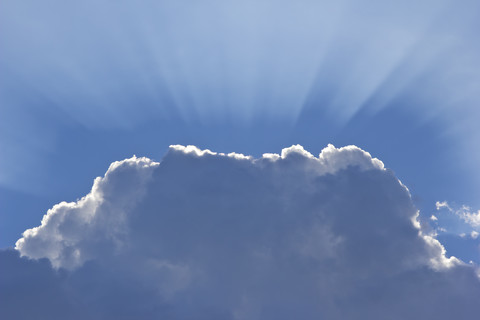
85,85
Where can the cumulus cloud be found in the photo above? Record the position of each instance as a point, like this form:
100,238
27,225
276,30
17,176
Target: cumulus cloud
205,235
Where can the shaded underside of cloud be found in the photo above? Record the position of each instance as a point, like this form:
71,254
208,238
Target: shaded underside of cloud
204,235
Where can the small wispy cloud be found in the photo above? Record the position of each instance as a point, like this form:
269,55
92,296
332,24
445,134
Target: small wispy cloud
440,205
460,220
464,213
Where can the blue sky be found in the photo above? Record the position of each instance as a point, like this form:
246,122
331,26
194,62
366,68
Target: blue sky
84,84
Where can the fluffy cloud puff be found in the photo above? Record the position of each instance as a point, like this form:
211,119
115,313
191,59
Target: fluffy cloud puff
203,235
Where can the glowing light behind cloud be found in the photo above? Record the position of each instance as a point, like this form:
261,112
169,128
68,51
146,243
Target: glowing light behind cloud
217,60
111,64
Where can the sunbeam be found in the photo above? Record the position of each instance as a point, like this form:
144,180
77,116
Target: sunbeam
271,71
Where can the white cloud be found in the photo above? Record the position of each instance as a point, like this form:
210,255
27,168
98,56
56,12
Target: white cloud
469,216
464,213
71,233
442,204
74,232
205,235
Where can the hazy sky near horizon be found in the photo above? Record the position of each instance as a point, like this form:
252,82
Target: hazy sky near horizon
84,84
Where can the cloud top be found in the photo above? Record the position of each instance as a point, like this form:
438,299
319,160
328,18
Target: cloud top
70,231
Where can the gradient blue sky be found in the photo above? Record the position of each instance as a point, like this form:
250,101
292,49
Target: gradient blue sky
83,84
